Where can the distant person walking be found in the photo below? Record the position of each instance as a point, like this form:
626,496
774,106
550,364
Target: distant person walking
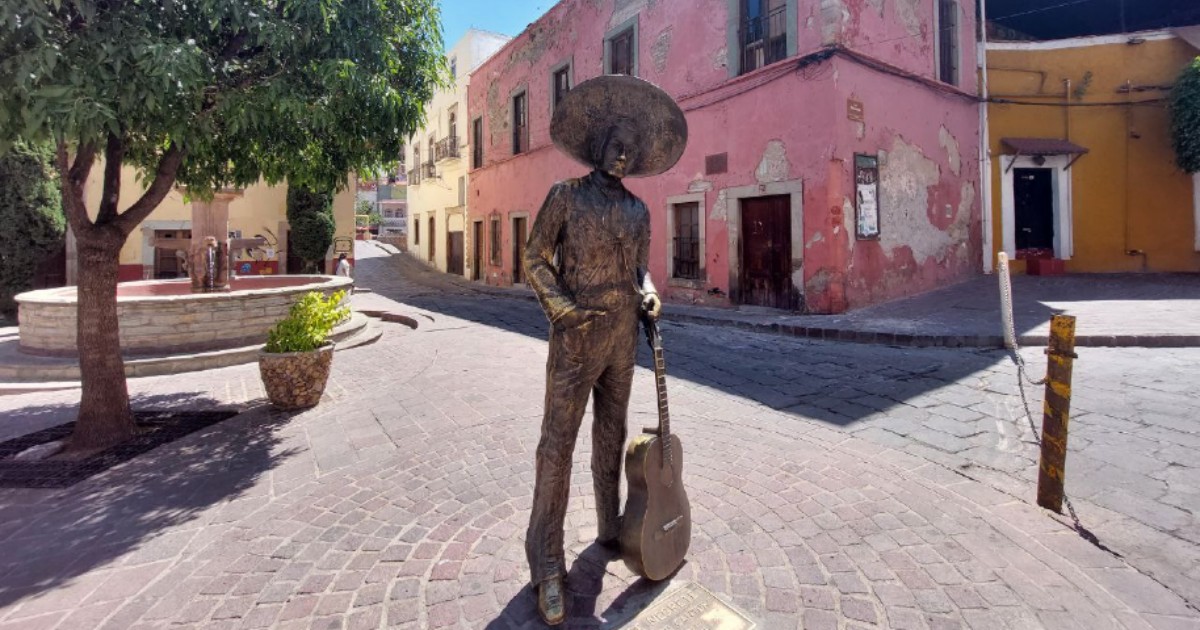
343,266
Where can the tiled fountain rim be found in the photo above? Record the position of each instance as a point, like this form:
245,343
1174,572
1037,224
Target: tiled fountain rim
67,295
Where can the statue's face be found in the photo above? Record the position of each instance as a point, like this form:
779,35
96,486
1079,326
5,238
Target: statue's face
618,152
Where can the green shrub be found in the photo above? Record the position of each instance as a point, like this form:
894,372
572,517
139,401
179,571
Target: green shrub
310,218
308,323
31,217
1185,118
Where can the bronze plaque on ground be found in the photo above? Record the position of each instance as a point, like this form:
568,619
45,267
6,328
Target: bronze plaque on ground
691,607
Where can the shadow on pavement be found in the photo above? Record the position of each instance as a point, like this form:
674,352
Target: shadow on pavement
50,538
837,383
585,583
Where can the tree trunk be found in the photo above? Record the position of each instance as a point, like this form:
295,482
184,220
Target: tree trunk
105,417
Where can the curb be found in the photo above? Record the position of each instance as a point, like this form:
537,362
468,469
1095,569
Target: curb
879,337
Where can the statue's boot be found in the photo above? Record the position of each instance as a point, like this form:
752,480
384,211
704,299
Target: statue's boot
551,601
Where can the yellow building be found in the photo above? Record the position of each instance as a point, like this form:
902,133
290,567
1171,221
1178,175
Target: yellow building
259,211
1081,159
440,150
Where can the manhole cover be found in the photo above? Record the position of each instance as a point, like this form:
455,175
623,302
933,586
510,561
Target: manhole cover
691,606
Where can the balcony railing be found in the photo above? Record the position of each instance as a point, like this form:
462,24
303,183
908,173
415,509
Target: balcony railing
763,39
429,170
414,176
446,148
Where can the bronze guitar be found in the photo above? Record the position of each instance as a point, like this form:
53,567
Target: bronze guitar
657,526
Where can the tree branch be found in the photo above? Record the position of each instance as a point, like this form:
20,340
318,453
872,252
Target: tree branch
114,158
71,180
164,179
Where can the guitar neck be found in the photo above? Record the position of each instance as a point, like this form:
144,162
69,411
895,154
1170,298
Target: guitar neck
660,383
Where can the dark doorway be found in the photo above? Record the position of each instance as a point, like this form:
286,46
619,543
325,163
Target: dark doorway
766,245
1033,195
294,263
52,271
454,253
170,262
518,249
432,238
476,250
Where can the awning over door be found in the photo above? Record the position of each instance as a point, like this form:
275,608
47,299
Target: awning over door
1041,147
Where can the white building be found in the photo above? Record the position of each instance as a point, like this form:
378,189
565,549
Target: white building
437,161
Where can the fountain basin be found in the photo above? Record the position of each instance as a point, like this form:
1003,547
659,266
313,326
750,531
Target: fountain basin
159,317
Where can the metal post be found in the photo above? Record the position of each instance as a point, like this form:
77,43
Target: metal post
1056,412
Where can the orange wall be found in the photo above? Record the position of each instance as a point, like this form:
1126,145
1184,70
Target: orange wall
1127,191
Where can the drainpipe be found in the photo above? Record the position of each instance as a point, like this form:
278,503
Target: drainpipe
985,150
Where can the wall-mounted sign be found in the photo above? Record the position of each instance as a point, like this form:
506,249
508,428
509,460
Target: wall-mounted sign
343,245
854,110
866,198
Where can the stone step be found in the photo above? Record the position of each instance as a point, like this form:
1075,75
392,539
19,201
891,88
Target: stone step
20,373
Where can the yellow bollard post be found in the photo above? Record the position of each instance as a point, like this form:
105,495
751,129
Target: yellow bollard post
1056,412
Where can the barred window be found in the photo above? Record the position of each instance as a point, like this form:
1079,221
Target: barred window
686,264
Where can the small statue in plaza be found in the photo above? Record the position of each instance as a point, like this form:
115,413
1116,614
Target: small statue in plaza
587,261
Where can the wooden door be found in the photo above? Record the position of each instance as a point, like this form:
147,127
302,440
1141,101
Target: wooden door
519,250
454,253
477,250
766,252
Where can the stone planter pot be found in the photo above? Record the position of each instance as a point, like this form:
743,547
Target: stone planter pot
295,380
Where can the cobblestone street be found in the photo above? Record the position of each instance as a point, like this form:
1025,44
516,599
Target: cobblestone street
832,486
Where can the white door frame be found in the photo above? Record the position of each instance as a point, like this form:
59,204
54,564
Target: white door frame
1060,181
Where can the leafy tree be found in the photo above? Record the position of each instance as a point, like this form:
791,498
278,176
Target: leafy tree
206,94
31,215
310,219
1185,118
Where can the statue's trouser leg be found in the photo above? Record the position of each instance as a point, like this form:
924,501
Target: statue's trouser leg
611,407
569,379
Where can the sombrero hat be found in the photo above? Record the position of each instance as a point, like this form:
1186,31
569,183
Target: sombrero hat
582,121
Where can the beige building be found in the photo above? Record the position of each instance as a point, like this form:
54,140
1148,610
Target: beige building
438,157
258,211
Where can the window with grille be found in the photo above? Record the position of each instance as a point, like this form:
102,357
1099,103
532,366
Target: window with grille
453,67
762,33
520,137
495,241
620,59
947,41
686,264
477,143
562,84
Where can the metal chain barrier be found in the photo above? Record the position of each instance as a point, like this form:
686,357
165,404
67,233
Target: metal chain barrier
1014,351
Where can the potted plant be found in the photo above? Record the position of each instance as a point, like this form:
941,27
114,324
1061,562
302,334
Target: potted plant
295,362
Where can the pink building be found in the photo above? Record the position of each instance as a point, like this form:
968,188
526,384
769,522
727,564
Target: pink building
832,161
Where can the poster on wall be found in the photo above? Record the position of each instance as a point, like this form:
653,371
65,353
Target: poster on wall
866,183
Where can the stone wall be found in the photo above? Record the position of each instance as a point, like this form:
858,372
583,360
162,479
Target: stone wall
165,324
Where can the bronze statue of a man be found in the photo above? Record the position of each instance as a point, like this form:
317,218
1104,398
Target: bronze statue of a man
587,261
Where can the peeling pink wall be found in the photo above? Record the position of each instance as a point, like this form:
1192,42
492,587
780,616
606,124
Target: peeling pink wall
792,123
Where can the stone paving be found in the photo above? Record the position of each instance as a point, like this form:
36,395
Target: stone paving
401,501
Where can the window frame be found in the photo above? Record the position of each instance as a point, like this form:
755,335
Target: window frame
568,67
477,142
416,228
954,39
733,43
701,279
495,241
520,133
630,26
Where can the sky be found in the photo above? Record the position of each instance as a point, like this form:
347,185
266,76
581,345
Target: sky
508,17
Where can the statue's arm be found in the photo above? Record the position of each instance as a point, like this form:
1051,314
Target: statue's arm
651,303
554,296
643,258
